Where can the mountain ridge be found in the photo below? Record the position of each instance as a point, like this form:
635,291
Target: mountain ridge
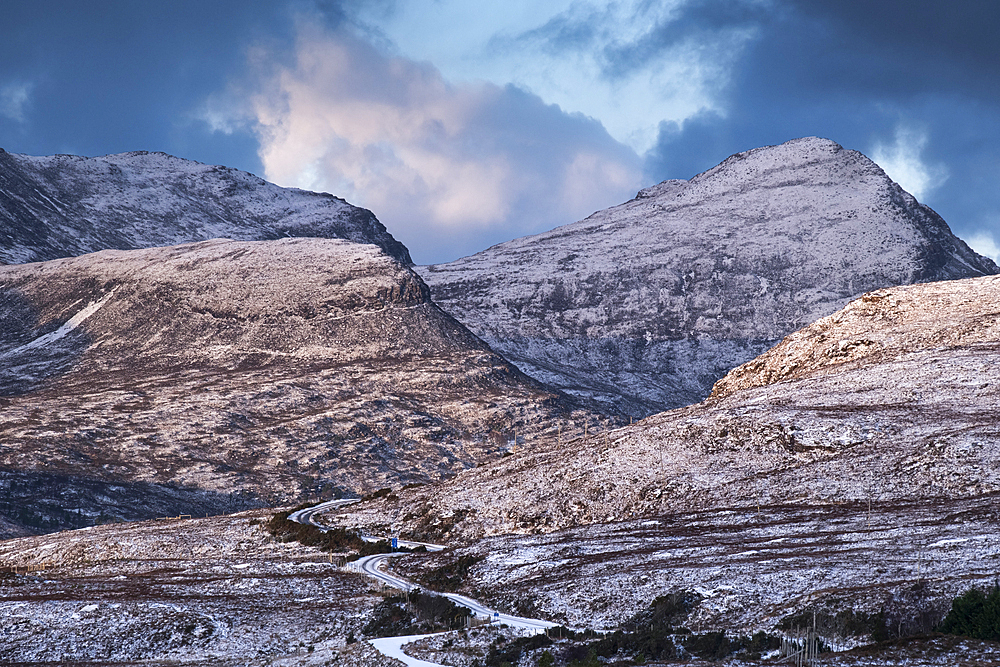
271,370
909,416
643,306
67,205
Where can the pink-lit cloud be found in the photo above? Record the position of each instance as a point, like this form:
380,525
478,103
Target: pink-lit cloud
440,163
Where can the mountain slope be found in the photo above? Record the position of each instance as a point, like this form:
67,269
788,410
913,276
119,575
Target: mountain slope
909,414
643,306
261,371
64,206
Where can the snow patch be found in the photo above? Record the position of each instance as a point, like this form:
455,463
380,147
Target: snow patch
65,329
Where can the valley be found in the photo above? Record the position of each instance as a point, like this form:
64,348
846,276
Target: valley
765,395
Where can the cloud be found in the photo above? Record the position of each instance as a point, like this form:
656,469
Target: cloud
902,161
985,244
14,98
634,64
629,63
434,160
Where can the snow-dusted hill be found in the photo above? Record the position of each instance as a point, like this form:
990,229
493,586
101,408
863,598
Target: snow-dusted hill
891,399
65,205
643,306
261,370
851,470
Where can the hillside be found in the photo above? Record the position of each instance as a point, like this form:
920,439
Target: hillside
227,374
891,399
217,591
849,473
65,205
643,306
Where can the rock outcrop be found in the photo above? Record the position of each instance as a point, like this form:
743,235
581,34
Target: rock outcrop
643,306
64,205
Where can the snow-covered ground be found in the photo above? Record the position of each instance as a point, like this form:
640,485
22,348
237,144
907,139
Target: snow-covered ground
751,570
215,591
890,400
644,305
66,205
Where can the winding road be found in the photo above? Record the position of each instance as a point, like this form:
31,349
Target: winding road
372,567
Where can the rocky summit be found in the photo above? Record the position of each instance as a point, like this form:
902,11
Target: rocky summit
65,205
643,306
224,373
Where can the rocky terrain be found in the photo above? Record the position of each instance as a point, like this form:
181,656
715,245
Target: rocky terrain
849,480
217,591
851,471
643,306
891,399
745,571
228,374
221,591
65,205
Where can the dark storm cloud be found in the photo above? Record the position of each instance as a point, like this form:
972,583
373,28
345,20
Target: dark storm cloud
862,73
958,35
118,75
653,29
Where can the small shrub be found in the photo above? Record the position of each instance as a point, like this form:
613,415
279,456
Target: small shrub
590,661
710,646
450,576
974,614
422,612
337,540
511,652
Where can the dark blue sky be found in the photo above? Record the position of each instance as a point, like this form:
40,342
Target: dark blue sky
464,127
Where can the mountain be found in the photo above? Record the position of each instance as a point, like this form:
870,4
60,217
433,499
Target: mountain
233,373
65,205
643,306
892,399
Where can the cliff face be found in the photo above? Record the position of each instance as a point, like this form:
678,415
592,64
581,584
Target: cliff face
253,370
64,206
643,306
